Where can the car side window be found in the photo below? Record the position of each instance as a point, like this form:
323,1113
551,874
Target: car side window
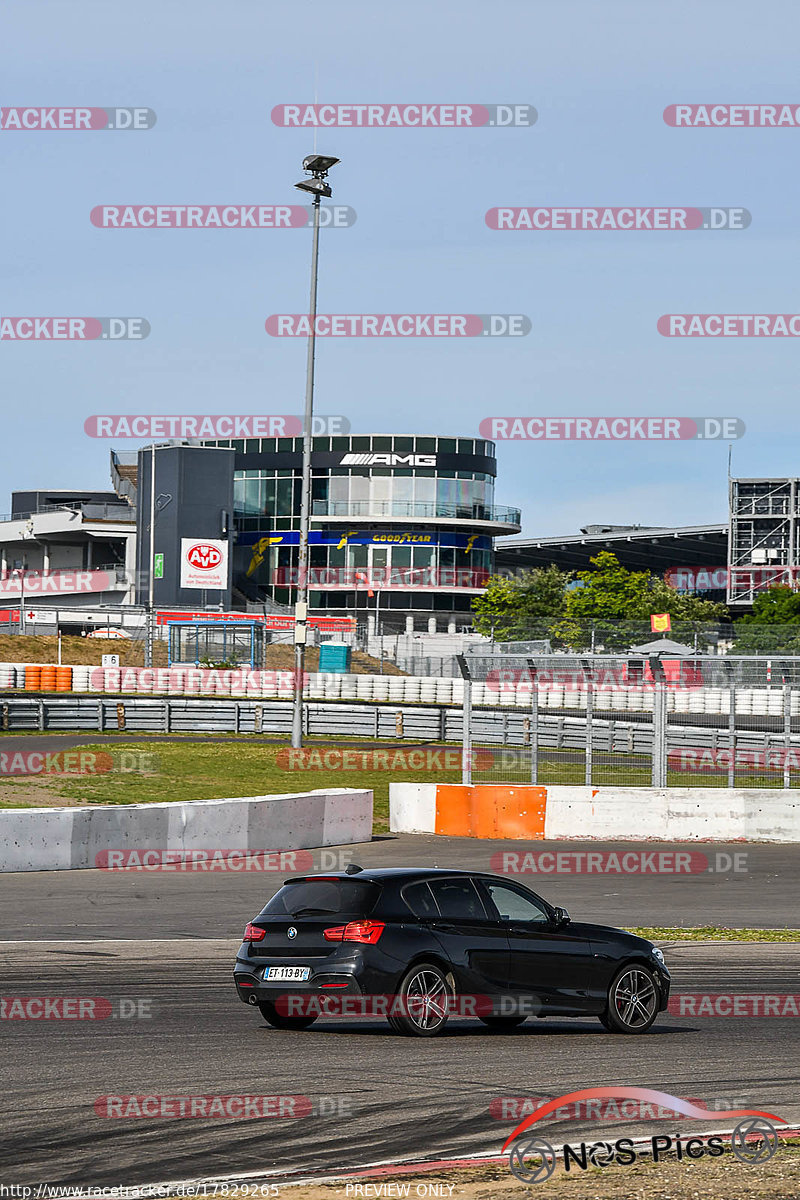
419,899
513,905
458,899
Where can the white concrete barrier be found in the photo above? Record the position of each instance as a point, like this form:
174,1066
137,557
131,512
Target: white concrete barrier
55,839
630,813
673,814
412,807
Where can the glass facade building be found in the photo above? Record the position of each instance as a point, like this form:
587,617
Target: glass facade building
411,519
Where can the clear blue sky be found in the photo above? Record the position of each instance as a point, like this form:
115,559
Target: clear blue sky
599,74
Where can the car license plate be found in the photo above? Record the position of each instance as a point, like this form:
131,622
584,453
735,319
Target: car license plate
295,974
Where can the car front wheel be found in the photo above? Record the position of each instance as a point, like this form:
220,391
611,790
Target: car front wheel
632,1001
424,998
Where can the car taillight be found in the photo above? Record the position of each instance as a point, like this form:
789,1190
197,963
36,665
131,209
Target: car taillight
366,932
252,933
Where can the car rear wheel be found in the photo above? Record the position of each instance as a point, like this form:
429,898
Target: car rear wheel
502,1022
425,994
279,1021
632,1001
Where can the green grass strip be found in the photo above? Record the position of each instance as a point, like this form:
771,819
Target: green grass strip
715,933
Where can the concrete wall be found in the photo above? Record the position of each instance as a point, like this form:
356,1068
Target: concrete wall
613,813
55,839
412,807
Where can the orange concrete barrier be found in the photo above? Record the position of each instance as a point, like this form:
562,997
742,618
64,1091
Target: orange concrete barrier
519,811
491,810
453,809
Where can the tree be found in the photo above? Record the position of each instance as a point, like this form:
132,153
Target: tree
607,606
773,627
522,607
616,605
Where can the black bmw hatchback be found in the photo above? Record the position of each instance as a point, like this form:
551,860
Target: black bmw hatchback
418,944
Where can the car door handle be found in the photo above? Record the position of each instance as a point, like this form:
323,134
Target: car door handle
521,929
443,927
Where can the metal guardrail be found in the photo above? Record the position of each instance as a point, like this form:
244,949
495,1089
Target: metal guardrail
503,745
177,715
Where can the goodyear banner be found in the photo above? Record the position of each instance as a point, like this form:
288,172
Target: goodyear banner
355,537
262,543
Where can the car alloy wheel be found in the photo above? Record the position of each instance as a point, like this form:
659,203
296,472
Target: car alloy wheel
425,995
632,1001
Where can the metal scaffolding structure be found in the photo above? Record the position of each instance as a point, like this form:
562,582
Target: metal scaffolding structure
763,537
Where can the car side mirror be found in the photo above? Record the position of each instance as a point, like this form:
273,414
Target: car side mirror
560,917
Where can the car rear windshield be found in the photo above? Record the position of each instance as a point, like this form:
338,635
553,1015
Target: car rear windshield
323,897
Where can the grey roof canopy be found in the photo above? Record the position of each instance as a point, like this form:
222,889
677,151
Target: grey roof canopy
667,648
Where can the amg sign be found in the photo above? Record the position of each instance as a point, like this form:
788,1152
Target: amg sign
388,460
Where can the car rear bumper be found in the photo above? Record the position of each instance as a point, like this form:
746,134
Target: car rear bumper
337,974
329,983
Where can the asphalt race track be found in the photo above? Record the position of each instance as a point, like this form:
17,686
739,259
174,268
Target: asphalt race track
103,904
165,944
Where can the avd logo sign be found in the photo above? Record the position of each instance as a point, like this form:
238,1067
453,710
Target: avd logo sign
203,556
204,564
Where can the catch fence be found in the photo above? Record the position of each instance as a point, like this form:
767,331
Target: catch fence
634,721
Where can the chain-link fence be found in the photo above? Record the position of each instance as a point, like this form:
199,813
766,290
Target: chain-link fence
742,636
632,721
